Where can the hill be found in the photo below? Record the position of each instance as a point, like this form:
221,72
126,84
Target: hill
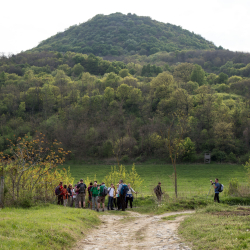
119,34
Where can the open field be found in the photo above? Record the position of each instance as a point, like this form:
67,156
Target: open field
47,227
193,179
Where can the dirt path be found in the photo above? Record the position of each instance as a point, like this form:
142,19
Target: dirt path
135,231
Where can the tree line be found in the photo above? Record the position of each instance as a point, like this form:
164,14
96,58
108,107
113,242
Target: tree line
124,112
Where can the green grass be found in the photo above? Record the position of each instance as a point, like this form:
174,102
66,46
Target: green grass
217,226
47,227
152,207
193,179
173,217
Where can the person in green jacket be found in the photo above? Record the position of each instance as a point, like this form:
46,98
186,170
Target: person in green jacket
101,198
94,192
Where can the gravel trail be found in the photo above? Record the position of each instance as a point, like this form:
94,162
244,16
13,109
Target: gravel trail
134,231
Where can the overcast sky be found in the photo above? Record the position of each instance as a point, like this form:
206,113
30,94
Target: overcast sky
24,23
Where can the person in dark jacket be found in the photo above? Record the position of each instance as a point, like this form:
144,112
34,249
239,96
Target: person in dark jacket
70,195
158,192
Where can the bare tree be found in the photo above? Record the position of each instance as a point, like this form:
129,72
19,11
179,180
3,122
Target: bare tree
174,135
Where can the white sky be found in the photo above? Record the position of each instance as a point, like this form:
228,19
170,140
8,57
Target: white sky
24,23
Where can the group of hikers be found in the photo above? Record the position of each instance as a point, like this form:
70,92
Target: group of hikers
118,197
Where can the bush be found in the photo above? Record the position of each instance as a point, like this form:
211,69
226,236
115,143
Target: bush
138,159
233,187
232,158
244,158
189,154
218,155
125,159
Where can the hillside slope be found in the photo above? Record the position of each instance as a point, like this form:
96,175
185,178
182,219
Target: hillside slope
119,34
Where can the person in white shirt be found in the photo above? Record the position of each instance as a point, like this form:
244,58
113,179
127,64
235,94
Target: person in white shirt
74,198
129,196
111,195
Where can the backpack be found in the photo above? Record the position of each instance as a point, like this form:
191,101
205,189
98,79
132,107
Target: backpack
124,189
104,191
82,188
89,190
156,191
57,190
221,188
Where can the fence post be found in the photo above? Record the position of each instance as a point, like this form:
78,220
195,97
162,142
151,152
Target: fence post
1,191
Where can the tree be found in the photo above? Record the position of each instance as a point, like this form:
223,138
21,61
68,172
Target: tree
222,78
198,75
29,160
183,71
123,73
77,69
174,140
162,85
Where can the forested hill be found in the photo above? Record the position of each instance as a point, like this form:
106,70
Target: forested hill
119,34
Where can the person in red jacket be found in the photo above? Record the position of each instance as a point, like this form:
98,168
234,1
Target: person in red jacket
60,195
65,195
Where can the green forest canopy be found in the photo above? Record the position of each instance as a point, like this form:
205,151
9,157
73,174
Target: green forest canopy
93,106
118,34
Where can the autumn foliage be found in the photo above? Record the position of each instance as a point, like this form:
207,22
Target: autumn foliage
30,168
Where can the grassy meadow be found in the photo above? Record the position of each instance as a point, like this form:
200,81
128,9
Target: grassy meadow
46,227
217,226
193,179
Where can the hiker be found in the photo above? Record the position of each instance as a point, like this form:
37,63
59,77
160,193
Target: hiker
129,196
111,194
77,192
123,189
90,198
117,199
70,198
216,186
158,191
65,195
101,196
81,187
74,197
94,195
58,192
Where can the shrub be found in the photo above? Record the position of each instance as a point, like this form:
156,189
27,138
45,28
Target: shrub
138,159
232,158
125,159
233,187
189,154
128,177
218,155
